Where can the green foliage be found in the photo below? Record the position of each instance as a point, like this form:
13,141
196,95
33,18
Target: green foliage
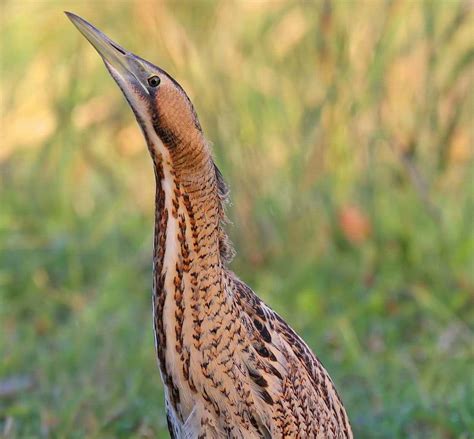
345,132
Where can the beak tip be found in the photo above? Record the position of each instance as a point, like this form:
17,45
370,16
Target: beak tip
70,15
75,19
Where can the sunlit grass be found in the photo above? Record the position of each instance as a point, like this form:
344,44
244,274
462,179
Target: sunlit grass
345,132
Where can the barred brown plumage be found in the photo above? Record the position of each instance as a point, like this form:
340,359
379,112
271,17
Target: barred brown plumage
231,367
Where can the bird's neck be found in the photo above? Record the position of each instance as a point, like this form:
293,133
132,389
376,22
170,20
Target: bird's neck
188,267
188,216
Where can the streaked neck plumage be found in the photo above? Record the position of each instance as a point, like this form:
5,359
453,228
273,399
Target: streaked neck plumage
190,247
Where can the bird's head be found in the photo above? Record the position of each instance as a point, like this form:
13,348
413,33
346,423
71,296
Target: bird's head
161,106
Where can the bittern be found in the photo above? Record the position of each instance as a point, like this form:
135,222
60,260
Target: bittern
231,366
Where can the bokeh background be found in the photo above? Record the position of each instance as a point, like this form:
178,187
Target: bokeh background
345,130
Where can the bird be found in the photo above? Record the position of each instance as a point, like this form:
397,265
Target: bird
231,366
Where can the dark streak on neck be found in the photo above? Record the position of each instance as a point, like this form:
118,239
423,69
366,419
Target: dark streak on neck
159,294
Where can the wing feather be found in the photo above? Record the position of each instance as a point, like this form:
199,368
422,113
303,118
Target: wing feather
292,390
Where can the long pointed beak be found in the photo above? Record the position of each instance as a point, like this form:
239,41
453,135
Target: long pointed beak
120,62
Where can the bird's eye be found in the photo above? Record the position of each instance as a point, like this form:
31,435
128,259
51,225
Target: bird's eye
154,81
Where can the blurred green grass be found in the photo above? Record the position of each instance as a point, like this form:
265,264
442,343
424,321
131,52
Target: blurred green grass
345,130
